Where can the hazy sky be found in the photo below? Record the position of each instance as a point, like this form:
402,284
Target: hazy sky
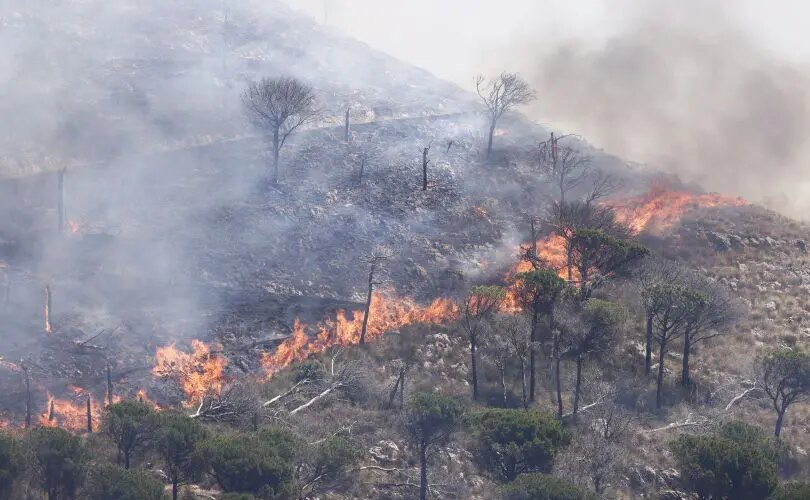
456,38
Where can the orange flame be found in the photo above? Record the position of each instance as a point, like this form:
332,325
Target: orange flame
199,372
384,314
69,415
660,208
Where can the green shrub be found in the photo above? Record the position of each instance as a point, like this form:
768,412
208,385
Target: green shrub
12,464
237,496
59,461
739,462
176,441
130,425
543,487
110,482
792,491
512,441
260,463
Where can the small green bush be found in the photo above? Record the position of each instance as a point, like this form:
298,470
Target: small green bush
512,441
543,487
110,482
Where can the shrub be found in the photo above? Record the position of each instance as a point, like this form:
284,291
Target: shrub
792,491
12,464
326,465
110,482
59,461
513,441
260,463
543,487
130,425
176,440
737,463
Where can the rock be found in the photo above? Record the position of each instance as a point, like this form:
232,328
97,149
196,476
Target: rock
736,241
771,242
743,267
770,306
385,451
719,240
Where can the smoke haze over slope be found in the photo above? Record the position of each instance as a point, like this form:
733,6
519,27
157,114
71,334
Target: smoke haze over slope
713,92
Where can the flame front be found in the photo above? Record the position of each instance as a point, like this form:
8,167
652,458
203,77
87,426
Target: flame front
660,208
199,372
384,314
69,415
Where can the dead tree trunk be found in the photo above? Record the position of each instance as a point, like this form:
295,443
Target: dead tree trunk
532,356
51,414
47,310
60,199
27,395
648,346
687,347
89,416
276,151
109,385
346,127
425,163
368,303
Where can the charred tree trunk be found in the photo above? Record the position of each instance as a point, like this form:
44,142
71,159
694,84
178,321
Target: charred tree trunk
89,416
47,309
557,360
51,414
473,367
362,169
174,489
648,346
27,396
577,386
780,417
532,357
368,304
523,383
394,390
423,473
659,394
489,141
276,151
687,347
533,247
502,372
60,197
425,163
346,126
109,385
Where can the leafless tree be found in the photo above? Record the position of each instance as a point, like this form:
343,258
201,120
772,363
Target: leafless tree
711,317
236,404
498,349
650,275
279,106
346,377
425,163
481,303
500,95
565,165
591,461
517,332
377,258
363,153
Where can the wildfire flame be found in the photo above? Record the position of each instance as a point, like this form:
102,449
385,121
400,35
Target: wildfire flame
660,208
199,372
69,415
384,314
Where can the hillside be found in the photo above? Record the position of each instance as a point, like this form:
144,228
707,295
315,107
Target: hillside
186,278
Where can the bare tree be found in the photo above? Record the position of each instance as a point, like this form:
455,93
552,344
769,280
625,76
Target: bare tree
500,95
363,153
711,317
651,274
236,403
375,260
566,166
591,461
499,350
480,304
785,377
279,106
516,331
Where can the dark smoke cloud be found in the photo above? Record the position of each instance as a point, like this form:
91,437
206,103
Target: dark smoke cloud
687,91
